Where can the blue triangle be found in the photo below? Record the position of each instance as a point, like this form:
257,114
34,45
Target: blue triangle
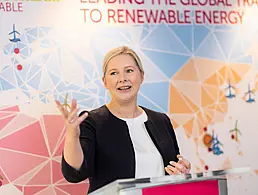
87,103
185,34
9,76
8,49
33,32
239,50
24,72
5,85
223,27
244,60
52,63
35,81
163,39
34,68
19,80
226,40
168,63
55,79
45,43
26,51
210,49
45,29
200,32
151,91
31,38
42,33
87,66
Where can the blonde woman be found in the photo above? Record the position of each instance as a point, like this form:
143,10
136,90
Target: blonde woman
120,139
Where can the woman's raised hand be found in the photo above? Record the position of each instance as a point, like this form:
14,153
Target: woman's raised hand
71,119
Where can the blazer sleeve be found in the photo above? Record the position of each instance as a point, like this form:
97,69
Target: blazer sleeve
172,134
87,141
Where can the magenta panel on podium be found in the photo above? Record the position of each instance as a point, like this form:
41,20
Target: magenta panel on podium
210,187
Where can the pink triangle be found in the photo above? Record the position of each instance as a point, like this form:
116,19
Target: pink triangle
59,192
59,151
19,187
5,114
78,189
43,177
56,170
31,190
17,123
29,139
27,176
11,109
5,121
25,162
3,179
54,126
47,191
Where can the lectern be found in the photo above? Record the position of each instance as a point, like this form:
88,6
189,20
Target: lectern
212,183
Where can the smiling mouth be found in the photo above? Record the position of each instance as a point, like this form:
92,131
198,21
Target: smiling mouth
124,88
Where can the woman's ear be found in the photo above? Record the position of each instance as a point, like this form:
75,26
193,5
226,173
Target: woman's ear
104,82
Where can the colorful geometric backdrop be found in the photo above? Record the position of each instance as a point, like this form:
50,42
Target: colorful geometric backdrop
204,76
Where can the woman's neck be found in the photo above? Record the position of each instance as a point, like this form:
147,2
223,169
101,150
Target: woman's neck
122,110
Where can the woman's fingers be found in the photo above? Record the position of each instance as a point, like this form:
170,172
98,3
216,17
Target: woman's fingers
81,118
172,170
72,116
184,162
60,107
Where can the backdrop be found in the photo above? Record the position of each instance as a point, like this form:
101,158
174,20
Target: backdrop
200,59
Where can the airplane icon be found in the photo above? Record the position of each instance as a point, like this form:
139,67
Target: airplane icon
15,39
65,104
249,93
236,131
229,88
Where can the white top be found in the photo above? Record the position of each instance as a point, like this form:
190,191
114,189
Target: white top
149,162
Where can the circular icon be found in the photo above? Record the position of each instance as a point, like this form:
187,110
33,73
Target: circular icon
207,140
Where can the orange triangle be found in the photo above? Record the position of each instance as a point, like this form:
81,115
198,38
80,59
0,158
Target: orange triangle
192,90
240,69
206,99
213,80
183,73
206,67
176,103
235,76
181,119
223,73
174,124
212,91
188,128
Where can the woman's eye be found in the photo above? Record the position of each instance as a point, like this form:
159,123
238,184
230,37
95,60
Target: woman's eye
129,70
112,73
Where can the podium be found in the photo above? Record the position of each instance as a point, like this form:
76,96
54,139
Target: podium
212,183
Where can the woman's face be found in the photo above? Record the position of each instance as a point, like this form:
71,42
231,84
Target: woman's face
123,78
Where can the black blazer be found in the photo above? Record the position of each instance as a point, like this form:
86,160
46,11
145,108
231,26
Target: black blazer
108,150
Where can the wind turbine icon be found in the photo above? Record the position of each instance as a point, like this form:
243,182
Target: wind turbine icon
235,132
249,93
14,32
230,92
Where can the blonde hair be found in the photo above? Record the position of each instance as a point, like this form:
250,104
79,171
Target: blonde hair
118,51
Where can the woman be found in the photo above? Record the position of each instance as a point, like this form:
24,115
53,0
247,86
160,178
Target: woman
120,139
